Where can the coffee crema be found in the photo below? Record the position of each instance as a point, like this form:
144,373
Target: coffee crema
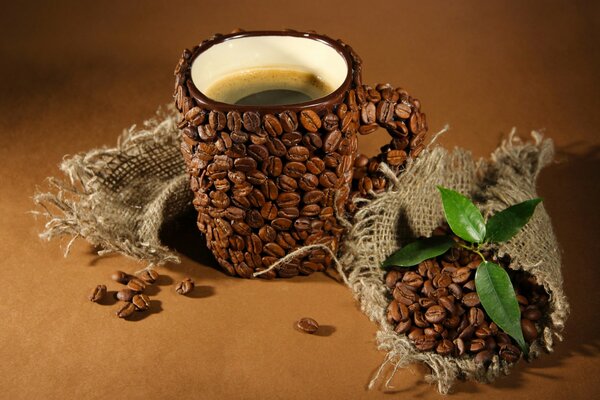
268,86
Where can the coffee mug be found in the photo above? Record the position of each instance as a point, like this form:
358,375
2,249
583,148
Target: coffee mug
270,122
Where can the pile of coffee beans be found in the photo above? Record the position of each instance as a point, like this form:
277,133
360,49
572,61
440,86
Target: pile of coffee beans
435,304
267,184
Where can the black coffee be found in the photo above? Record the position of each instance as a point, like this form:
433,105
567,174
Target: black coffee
268,86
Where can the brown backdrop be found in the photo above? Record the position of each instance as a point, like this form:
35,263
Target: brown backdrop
74,74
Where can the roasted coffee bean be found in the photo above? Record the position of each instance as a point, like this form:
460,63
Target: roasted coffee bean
269,211
529,330
532,313
137,285
466,333
219,199
490,343
315,165
477,345
125,294
234,121
254,219
393,312
442,280
148,275
403,326
298,153
483,357
206,132
308,182
425,343
97,293
273,249
185,286
445,347
294,169
455,290
141,302
419,319
404,295
276,147
461,275
471,299
483,332
258,152
476,316
368,113
396,157
313,197
272,125
402,110
509,353
415,333
332,141
307,325
425,302
245,164
330,122
310,210
452,322
435,314
470,285
281,224
312,141
217,120
459,347
251,121
291,139
267,234
289,121
385,111
273,166
328,179
289,212
270,190
447,303
240,228
431,332
288,200
428,288
392,277
412,279
310,120
302,224
121,277
125,310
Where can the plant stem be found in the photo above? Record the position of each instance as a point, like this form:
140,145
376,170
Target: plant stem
474,248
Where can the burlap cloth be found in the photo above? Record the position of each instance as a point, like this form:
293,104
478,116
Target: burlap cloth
119,198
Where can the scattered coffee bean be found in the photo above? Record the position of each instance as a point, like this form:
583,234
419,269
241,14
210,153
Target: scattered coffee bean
125,310
125,294
307,325
141,302
97,293
184,287
149,276
137,285
121,277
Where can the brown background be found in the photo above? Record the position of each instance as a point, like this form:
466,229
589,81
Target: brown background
74,74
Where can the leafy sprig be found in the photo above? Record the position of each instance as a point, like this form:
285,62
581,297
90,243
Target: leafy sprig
492,283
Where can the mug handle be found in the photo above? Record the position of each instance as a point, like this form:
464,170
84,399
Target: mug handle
400,114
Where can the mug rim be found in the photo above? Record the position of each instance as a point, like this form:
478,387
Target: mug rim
329,100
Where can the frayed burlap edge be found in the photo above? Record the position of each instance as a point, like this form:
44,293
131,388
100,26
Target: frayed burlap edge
411,208
118,198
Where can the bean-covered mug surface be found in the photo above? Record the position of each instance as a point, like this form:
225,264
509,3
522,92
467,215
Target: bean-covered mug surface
270,122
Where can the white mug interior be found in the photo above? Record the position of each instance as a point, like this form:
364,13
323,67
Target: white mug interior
272,51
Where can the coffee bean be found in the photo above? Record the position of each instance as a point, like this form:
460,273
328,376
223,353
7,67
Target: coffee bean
483,357
312,141
290,139
477,345
425,343
281,224
276,147
413,279
269,211
510,353
141,302
148,275
470,285
272,125
298,153
442,280
476,316
206,132
328,179
532,313
137,285
529,330
402,110
217,120
461,275
251,121
307,325
125,294
455,290
121,277
330,122
447,303
435,314
294,169
308,182
240,228
310,120
445,347
267,234
404,295
219,199
289,212
393,311
419,319
313,197
483,332
459,347
254,219
403,326
258,152
396,157
289,121
234,121
245,164
286,183
315,165
466,333
97,293
125,310
185,286
471,299
332,141
425,302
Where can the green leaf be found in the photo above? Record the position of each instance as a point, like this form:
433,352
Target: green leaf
499,301
462,215
419,250
507,223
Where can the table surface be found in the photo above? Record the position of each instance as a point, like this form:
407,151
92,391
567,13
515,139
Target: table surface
74,74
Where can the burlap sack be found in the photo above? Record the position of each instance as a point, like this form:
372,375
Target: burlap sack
412,208
119,198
